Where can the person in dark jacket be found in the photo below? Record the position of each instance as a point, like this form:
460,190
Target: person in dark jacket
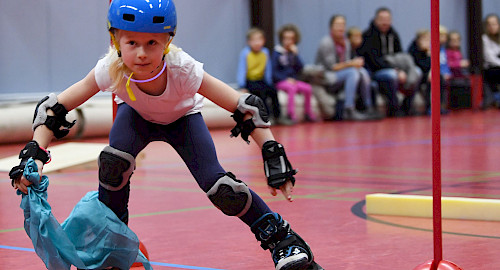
388,65
420,50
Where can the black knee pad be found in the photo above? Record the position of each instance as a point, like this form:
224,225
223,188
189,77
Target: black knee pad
230,195
115,168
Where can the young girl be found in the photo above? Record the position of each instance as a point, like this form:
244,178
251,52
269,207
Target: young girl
355,37
160,90
456,62
286,67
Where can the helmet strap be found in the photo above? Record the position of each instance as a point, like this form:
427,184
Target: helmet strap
167,48
117,46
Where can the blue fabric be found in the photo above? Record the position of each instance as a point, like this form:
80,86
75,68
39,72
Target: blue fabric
443,62
92,237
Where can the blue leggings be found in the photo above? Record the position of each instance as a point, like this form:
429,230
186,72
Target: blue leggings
189,136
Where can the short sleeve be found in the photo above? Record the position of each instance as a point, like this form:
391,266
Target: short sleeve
102,77
189,73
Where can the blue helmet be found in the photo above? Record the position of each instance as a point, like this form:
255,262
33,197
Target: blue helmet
150,16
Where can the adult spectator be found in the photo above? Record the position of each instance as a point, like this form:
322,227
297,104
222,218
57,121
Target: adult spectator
389,66
343,71
491,51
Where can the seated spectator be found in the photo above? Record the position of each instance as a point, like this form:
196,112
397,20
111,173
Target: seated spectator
389,66
255,73
443,60
287,65
420,50
458,65
355,37
334,55
491,51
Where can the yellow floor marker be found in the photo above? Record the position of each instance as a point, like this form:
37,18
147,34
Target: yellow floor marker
63,156
421,206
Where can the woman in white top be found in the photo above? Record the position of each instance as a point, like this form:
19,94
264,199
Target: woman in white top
491,53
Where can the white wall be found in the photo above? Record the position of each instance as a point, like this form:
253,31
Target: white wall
408,17
45,46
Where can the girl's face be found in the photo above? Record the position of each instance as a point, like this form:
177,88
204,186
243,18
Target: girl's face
141,52
356,39
454,41
492,25
256,42
424,42
443,37
288,39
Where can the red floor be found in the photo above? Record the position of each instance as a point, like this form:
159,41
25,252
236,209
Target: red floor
339,164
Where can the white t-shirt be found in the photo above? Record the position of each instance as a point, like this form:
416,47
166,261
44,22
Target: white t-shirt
180,98
491,52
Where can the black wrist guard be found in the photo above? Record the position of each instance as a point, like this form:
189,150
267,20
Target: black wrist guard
277,167
31,150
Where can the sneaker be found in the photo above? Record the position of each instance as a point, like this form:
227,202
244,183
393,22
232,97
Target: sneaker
310,119
351,114
285,121
373,114
288,250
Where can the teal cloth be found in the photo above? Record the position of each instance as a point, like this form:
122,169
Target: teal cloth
92,237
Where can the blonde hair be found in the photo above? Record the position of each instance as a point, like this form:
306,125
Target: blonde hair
443,29
255,30
421,33
117,69
352,31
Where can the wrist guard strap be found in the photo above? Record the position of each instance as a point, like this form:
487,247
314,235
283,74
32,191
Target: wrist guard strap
277,167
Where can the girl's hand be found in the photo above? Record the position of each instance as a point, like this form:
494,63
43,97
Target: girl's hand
286,189
464,63
294,49
358,62
22,183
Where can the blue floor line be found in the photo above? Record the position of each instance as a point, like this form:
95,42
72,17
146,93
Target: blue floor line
180,266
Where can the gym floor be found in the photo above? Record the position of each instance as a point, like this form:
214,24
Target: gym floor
339,163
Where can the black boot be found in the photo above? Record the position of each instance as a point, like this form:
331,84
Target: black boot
289,251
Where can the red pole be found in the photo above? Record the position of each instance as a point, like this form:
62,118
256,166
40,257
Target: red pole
115,107
436,135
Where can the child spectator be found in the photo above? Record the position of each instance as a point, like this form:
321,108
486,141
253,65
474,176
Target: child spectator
355,37
255,73
456,62
420,50
443,60
287,65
